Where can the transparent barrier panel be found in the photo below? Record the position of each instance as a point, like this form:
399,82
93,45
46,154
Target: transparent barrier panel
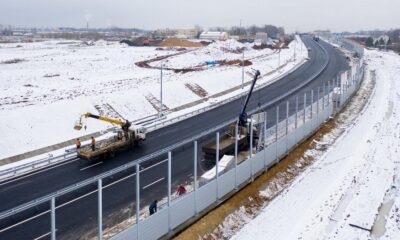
270,155
226,183
292,139
182,209
243,172
33,223
119,212
129,233
77,214
281,146
206,195
258,162
154,226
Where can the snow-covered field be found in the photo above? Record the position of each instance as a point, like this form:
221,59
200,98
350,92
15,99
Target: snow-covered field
352,191
46,86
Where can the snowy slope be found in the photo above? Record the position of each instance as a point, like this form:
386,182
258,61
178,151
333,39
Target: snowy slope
351,181
54,82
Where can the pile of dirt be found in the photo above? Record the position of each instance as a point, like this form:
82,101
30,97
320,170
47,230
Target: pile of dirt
273,47
175,42
178,49
236,62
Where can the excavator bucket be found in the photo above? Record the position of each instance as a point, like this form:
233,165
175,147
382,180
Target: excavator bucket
78,126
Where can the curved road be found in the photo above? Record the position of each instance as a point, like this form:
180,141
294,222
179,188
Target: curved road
77,211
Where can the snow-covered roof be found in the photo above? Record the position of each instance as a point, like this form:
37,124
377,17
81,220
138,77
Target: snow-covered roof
214,35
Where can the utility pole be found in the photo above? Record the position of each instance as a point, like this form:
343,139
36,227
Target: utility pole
243,69
301,48
161,92
279,56
295,47
240,29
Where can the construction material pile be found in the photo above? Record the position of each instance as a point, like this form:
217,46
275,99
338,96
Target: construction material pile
175,42
228,46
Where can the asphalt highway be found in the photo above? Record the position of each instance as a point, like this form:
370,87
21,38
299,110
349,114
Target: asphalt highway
77,211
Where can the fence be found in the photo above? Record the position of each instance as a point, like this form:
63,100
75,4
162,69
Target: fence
280,129
285,135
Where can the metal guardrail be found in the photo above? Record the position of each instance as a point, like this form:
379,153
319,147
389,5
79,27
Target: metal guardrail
52,160
12,172
94,179
36,165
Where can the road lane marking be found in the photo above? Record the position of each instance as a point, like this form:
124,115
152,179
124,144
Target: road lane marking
151,184
44,235
154,165
39,171
23,221
119,180
15,185
82,169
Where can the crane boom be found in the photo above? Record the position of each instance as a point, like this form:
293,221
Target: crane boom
243,114
124,124
102,118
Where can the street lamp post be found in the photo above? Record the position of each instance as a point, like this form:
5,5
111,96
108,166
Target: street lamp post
161,92
243,69
295,45
279,56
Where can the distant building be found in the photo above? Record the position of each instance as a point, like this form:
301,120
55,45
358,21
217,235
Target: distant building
186,33
214,35
166,32
177,33
261,38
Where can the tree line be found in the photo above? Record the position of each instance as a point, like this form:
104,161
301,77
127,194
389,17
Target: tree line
271,30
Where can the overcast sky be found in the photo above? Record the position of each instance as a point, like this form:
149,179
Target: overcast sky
301,15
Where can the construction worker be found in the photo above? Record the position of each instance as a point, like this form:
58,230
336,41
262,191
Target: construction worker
93,144
126,134
153,207
232,129
181,190
78,144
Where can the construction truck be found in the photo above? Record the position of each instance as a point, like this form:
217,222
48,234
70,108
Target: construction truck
128,136
227,139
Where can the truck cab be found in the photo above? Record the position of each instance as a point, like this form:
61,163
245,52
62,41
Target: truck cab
139,132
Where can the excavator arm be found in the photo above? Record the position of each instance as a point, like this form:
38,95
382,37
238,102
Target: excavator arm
124,124
243,114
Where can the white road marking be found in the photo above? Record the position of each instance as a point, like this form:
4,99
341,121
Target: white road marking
44,235
87,194
31,174
119,180
154,165
151,184
82,169
24,221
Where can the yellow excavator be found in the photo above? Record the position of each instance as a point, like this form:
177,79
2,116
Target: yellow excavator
130,136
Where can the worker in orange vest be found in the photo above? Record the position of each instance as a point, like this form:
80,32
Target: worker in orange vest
93,144
78,144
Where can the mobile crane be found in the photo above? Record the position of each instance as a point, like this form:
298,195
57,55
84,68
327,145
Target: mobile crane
227,140
243,114
129,136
